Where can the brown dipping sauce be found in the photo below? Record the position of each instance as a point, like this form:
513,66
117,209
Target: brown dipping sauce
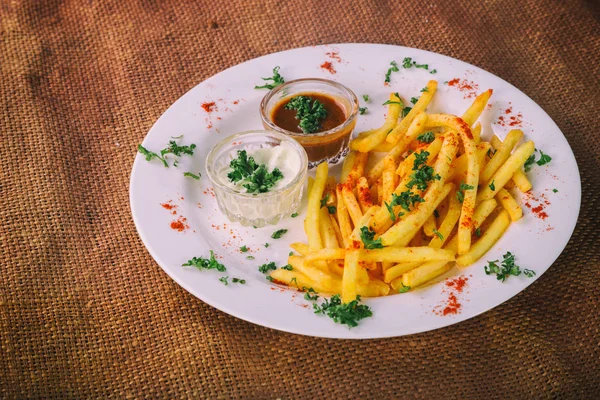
317,147
286,119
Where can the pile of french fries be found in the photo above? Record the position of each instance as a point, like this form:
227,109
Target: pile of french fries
462,215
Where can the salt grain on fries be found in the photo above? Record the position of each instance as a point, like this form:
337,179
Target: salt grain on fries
423,205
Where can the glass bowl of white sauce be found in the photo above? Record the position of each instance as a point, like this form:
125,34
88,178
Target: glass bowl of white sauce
258,176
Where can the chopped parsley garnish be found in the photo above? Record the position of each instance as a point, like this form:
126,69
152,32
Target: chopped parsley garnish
438,234
555,190
346,314
308,112
324,200
331,209
276,78
294,281
244,249
460,195
506,268
307,295
288,267
367,236
269,278
407,62
529,162
366,98
278,234
173,148
255,178
405,111
403,289
393,68
544,159
433,71
436,213
423,173
204,263
406,200
291,253
191,175
426,137
425,89
490,153
266,244
250,258
492,186
223,279
414,100
294,215
362,110
265,268
478,232
238,280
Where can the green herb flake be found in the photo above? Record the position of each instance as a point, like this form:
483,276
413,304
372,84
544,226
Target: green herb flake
255,177
362,110
276,79
405,111
425,90
223,280
423,173
294,215
426,137
403,289
346,314
414,100
278,234
438,234
265,268
433,71
478,232
291,253
238,280
150,155
555,190
407,62
244,249
324,200
269,278
309,113
492,186
529,163
366,98
250,258
192,175
506,268
266,244
393,102
331,209
204,263
288,267
436,213
460,195
294,281
367,236
393,68
544,159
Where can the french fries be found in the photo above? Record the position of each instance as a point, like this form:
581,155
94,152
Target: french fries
419,210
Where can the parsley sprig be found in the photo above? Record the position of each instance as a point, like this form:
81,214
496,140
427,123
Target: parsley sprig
367,236
423,173
544,159
426,137
309,113
506,268
346,314
265,268
393,68
279,233
460,195
205,263
172,148
256,178
276,78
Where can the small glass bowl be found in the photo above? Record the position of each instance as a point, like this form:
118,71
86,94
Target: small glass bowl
330,145
257,209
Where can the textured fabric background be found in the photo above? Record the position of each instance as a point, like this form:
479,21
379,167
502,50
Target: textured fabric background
85,311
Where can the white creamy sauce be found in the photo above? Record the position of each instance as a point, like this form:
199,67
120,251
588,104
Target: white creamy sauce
283,156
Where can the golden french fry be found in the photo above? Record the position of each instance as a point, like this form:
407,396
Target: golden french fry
482,211
342,215
368,142
325,254
300,248
311,182
477,132
383,147
405,254
349,280
406,166
299,264
489,238
501,155
401,129
351,204
448,223
364,194
347,165
379,186
519,178
326,228
387,185
475,110
337,230
415,128
472,178
509,204
358,168
417,239
314,204
422,274
506,171
364,221
458,170
429,226
392,273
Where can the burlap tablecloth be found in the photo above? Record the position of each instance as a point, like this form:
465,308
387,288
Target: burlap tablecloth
86,312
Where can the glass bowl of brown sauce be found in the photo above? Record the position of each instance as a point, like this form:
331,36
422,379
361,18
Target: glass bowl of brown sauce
318,113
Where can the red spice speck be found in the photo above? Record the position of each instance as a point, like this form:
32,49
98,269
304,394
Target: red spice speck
329,67
180,224
235,102
539,209
508,110
457,283
169,205
452,306
334,55
468,88
209,106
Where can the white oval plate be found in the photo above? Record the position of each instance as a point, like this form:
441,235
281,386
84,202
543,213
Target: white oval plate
535,242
